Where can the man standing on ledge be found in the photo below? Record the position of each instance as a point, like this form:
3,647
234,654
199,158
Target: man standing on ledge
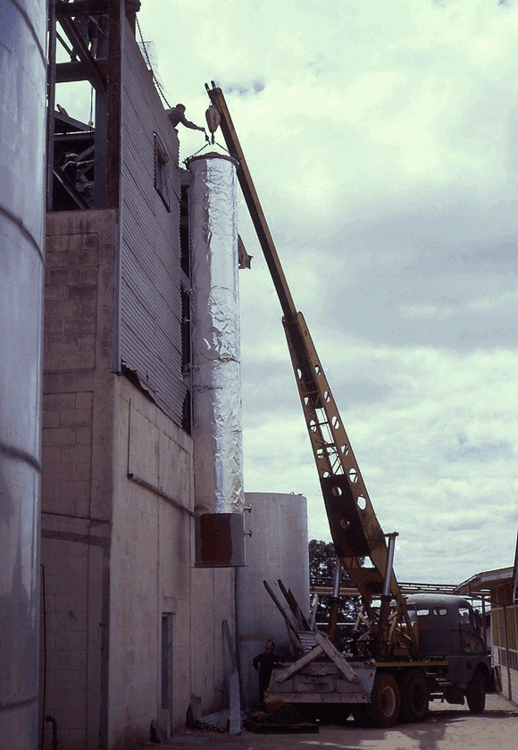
264,664
177,114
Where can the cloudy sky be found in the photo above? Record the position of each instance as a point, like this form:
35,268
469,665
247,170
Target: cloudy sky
383,141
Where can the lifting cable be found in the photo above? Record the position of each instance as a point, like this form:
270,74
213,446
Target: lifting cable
205,145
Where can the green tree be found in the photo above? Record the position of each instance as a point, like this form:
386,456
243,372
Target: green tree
322,562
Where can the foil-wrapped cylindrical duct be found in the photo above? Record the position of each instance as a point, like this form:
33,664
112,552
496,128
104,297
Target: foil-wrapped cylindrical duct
216,375
22,204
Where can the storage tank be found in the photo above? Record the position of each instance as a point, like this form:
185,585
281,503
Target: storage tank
22,145
277,549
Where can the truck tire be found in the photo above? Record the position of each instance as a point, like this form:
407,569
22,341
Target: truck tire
415,697
476,693
384,709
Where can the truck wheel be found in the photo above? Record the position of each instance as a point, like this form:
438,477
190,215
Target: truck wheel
476,693
414,696
384,709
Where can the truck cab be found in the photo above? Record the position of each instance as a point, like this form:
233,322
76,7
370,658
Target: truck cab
447,625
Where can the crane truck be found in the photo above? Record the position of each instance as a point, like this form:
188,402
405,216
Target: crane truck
404,651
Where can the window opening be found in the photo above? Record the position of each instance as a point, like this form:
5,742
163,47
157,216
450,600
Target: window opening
162,171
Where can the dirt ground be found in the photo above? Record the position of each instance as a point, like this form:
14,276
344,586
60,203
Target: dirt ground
446,728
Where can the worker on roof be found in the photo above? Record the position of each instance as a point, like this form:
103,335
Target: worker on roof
177,114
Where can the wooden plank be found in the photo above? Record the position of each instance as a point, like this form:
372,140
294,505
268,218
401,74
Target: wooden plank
302,623
285,613
295,609
333,653
302,662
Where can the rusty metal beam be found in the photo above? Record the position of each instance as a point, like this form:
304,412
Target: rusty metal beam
51,94
82,8
94,74
67,72
114,103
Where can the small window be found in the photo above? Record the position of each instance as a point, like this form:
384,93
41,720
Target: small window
440,611
423,612
162,171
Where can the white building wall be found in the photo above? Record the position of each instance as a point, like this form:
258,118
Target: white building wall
152,574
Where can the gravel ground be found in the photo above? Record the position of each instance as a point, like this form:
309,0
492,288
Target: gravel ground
447,728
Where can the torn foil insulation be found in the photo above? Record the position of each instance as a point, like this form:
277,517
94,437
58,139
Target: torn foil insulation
216,372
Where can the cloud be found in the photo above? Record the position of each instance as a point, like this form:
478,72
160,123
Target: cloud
254,87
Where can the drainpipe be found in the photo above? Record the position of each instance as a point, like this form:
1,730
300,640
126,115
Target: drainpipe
54,723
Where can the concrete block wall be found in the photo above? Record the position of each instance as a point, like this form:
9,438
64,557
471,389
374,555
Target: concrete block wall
77,473
152,575
71,642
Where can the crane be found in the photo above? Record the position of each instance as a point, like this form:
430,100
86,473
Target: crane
355,530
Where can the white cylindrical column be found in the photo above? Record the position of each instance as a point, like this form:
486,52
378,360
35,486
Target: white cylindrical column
277,549
22,205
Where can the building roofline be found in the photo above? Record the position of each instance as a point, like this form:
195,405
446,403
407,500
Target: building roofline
482,582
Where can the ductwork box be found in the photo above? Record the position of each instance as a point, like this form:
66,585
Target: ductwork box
219,540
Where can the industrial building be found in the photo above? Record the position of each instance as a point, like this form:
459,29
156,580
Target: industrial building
142,532
146,562
500,588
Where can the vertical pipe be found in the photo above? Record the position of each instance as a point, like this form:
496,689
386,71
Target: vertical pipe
383,632
22,206
484,625
335,602
216,375
507,661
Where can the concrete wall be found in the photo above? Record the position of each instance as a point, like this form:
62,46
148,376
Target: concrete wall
117,550
77,458
152,575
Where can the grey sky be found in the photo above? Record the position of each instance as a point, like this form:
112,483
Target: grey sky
382,138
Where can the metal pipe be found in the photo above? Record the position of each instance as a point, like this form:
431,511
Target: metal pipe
216,367
506,645
335,602
390,562
54,723
383,630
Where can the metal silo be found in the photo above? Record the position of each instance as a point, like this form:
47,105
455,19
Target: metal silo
22,148
277,549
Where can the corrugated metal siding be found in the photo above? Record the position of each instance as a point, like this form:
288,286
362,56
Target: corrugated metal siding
150,334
